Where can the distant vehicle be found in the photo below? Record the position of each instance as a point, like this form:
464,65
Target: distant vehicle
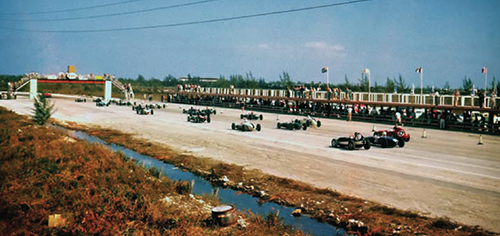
122,103
47,95
99,77
61,75
294,124
198,118
139,110
309,121
245,126
251,116
395,132
80,100
51,76
191,111
385,142
102,103
83,77
209,111
351,142
72,76
155,106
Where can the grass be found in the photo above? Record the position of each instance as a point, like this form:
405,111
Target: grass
44,172
323,204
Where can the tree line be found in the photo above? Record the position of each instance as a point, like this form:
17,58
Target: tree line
391,85
249,81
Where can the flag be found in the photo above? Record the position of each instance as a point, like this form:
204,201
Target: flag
419,70
483,70
366,71
324,70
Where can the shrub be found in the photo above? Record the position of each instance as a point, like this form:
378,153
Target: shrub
43,110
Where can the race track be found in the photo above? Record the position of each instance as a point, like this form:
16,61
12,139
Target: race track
445,174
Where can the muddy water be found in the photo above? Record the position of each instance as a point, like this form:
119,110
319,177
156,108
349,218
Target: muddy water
227,196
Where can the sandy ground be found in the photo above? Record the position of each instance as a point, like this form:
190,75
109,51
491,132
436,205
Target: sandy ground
445,174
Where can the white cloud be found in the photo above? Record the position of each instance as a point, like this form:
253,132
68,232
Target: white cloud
325,49
263,46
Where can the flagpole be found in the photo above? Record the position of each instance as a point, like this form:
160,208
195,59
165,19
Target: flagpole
328,77
421,83
369,85
485,76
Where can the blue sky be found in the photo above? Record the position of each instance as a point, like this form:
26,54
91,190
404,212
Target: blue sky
450,39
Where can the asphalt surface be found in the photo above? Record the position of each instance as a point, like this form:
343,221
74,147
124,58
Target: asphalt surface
445,174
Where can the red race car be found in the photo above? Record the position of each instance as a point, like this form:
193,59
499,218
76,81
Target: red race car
395,132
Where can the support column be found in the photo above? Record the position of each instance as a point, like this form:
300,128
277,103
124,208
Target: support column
107,90
33,88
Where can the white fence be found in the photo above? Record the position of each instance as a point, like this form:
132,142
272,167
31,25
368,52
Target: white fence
359,96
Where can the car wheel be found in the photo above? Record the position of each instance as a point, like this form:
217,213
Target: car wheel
164,106
334,143
215,112
304,127
401,143
278,125
188,119
318,123
261,117
208,119
152,112
366,144
258,127
137,112
241,116
351,145
233,126
408,139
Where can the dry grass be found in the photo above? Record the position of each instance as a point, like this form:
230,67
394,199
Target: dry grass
43,172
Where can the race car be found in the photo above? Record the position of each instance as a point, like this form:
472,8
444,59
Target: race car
139,110
209,111
102,103
191,111
294,124
395,132
386,142
80,100
251,116
155,106
309,121
352,142
245,126
123,103
198,118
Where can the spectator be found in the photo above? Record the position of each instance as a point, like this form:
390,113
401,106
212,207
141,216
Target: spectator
481,99
456,94
442,120
349,114
329,92
493,98
398,118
